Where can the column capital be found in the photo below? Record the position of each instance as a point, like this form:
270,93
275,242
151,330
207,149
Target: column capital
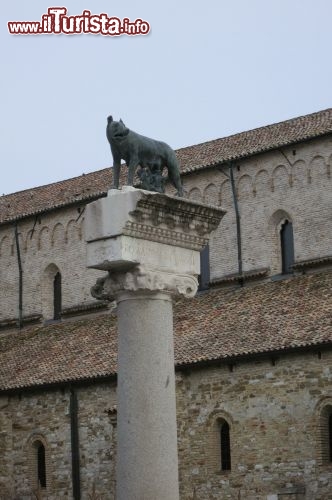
147,242
139,279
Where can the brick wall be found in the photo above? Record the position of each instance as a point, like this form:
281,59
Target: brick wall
56,243
42,416
274,409
268,188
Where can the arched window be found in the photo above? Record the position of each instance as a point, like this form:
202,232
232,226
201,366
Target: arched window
41,464
57,296
219,455
325,427
225,446
287,246
51,293
280,243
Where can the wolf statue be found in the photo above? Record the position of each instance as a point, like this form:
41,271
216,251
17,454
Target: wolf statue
136,150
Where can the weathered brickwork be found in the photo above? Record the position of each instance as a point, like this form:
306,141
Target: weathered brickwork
55,243
274,409
35,415
277,408
269,190
97,432
46,416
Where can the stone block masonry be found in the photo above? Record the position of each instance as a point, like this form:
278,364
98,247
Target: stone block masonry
273,409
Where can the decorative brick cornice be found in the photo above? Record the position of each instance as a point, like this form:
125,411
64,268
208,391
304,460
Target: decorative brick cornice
319,261
84,308
245,276
13,322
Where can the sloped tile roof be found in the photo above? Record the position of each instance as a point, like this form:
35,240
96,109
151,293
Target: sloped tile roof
192,158
267,317
217,325
256,141
59,194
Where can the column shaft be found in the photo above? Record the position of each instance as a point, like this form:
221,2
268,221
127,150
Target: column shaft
147,462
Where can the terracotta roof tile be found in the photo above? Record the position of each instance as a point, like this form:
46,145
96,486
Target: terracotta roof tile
256,141
44,198
216,325
192,158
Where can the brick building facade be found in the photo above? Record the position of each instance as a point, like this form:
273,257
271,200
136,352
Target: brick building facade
253,349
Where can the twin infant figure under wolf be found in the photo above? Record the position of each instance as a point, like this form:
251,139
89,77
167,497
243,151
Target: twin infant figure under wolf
137,150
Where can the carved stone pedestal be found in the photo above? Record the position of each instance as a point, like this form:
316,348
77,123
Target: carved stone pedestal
149,243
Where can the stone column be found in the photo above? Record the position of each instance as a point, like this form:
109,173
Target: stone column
149,243
147,461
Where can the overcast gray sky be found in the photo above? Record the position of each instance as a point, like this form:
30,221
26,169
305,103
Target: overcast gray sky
206,70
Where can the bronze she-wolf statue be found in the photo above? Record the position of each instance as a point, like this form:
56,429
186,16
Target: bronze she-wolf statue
136,150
